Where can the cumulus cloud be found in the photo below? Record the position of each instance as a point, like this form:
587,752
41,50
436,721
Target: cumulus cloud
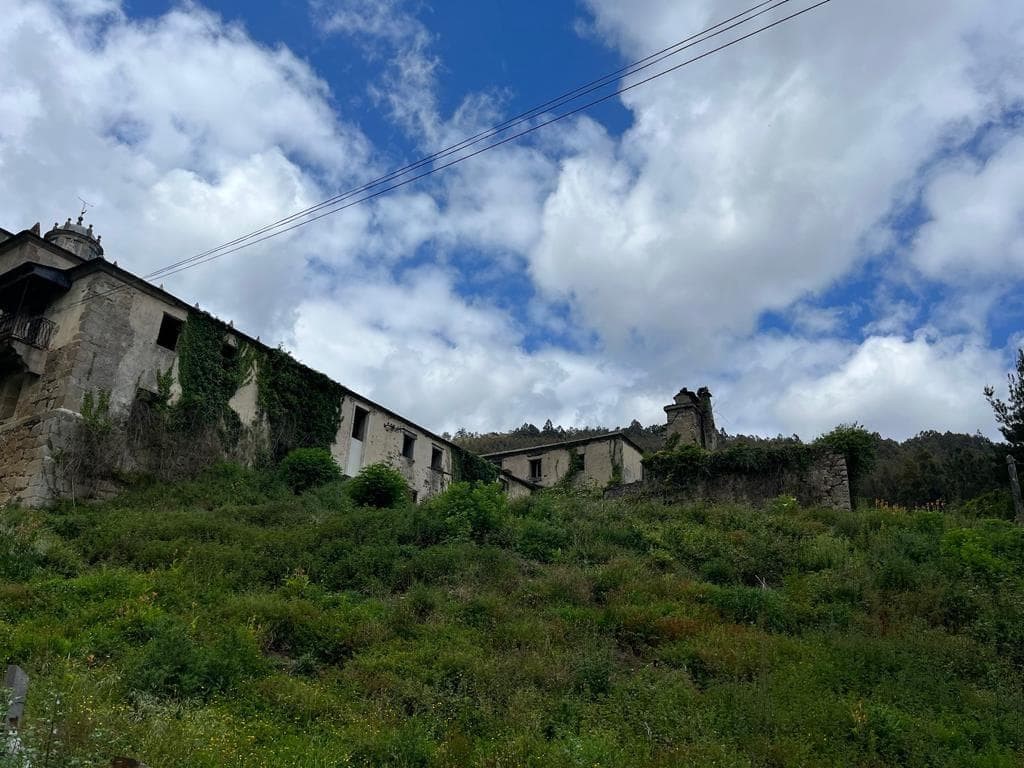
183,133
757,176
754,182
898,386
976,227
419,347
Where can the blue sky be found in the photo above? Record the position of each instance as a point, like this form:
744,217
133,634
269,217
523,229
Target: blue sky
823,224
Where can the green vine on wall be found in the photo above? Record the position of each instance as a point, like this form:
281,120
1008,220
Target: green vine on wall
687,464
302,406
470,468
210,371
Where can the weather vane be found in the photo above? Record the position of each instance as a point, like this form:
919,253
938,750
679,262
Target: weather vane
85,206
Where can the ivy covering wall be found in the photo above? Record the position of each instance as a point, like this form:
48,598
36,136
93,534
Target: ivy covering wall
468,467
688,464
209,372
302,406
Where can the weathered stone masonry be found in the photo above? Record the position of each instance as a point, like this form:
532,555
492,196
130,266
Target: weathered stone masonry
824,483
73,324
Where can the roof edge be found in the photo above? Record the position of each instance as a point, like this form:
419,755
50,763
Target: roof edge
563,444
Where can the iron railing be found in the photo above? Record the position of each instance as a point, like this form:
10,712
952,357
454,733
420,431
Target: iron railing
34,331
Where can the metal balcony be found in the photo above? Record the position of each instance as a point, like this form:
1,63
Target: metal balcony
34,331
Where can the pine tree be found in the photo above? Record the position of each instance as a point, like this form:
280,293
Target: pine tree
1010,414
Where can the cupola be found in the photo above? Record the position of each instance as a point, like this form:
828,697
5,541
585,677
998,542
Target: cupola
77,238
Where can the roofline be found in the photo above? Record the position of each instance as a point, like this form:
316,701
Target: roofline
27,235
89,266
563,444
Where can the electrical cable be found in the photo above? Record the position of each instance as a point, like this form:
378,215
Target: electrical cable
215,254
529,114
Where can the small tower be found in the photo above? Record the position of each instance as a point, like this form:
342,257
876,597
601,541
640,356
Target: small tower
690,416
76,238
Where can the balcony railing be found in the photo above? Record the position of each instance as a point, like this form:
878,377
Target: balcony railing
34,331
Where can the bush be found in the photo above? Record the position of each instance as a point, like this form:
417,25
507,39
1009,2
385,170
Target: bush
173,664
998,504
378,485
466,510
305,468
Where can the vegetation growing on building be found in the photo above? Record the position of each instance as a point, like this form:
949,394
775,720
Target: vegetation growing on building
685,465
302,406
210,372
470,468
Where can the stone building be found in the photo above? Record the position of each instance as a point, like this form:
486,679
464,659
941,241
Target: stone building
77,330
691,418
599,460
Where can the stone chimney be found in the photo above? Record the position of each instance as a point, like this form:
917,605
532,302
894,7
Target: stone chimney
76,238
690,416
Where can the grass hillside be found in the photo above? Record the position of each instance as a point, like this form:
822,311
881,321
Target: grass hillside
228,622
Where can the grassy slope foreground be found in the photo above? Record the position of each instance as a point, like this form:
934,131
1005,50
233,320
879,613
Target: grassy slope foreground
226,622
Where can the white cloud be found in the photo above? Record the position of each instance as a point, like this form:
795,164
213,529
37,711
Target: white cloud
754,181
419,348
976,231
899,387
756,176
390,33
183,133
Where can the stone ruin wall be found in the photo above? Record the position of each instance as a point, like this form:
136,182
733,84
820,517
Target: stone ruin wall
825,483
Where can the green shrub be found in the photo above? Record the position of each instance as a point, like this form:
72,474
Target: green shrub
465,511
173,664
997,504
378,485
305,468
538,539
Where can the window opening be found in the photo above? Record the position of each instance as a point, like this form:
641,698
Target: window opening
436,458
408,445
170,330
10,392
535,469
359,419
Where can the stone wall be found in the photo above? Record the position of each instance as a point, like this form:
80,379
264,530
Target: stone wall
824,483
30,451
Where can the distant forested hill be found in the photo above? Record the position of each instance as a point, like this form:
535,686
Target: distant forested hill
648,438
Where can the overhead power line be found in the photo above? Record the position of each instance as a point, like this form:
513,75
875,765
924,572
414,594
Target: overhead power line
565,98
345,200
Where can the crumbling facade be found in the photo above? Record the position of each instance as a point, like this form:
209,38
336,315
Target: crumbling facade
601,460
691,420
81,336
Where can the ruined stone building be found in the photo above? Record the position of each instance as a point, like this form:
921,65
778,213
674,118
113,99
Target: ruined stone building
691,418
85,341
599,460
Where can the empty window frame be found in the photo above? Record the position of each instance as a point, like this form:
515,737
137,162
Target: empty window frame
408,444
536,469
415,496
359,419
229,350
581,460
170,331
436,458
10,392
